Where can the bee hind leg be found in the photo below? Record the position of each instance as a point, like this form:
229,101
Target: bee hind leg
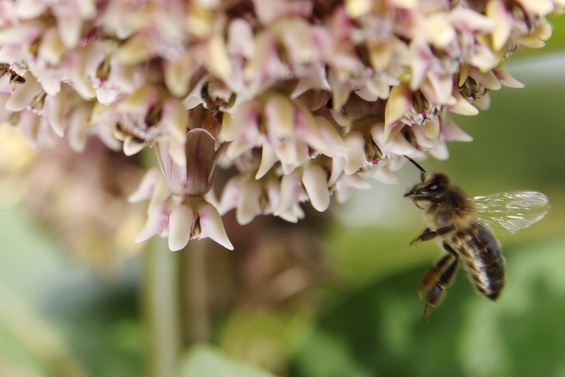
438,279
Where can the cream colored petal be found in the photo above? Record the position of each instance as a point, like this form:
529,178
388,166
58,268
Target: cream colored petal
335,144
212,226
175,119
146,187
178,73
498,11
398,104
139,101
438,31
134,51
487,79
244,121
132,146
507,80
216,57
431,128
28,9
358,8
292,154
355,154
297,38
54,108
79,127
155,225
20,34
238,147
268,159
181,221
248,203
279,112
291,190
240,38
483,58
51,48
462,106
70,28
315,183
29,125
396,145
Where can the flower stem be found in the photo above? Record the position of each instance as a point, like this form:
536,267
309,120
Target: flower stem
196,321
161,308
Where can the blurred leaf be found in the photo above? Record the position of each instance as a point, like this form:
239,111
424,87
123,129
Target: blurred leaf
205,361
377,331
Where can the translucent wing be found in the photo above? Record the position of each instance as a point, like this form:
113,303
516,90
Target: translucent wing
513,211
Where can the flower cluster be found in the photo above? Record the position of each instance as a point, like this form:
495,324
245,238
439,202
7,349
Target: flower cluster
302,99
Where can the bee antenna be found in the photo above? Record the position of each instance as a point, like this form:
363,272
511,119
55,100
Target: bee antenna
422,171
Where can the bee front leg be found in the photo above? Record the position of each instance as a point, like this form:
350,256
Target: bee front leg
438,279
429,234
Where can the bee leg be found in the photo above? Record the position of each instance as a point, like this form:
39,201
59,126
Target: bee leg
438,279
429,234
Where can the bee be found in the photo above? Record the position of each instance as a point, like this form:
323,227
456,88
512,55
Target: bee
461,224
14,77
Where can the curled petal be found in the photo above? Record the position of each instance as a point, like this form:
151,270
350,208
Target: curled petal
181,221
156,224
248,203
398,104
315,182
132,146
280,116
51,48
355,154
175,119
55,111
146,187
291,192
212,226
268,159
462,106
79,127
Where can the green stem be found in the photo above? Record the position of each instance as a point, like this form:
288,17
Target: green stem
196,321
161,308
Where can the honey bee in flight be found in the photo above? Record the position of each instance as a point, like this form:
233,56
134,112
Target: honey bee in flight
14,77
461,224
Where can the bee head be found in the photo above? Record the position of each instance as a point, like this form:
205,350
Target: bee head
433,188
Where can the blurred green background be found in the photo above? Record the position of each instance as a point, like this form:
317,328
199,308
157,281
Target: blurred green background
59,317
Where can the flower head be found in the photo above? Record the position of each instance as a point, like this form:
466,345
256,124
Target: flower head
295,101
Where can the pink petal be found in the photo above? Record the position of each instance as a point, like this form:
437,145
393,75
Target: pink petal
212,226
146,187
156,224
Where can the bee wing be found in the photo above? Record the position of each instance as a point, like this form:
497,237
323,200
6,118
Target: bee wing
513,211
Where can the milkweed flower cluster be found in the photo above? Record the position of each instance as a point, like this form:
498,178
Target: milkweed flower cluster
302,99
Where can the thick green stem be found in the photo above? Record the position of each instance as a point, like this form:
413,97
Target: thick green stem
161,306
196,320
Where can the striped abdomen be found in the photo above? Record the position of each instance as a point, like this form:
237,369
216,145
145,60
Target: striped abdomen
482,256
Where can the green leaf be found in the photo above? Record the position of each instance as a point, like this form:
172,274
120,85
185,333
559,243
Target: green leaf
204,361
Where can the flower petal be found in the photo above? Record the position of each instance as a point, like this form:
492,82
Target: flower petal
181,221
315,182
212,226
